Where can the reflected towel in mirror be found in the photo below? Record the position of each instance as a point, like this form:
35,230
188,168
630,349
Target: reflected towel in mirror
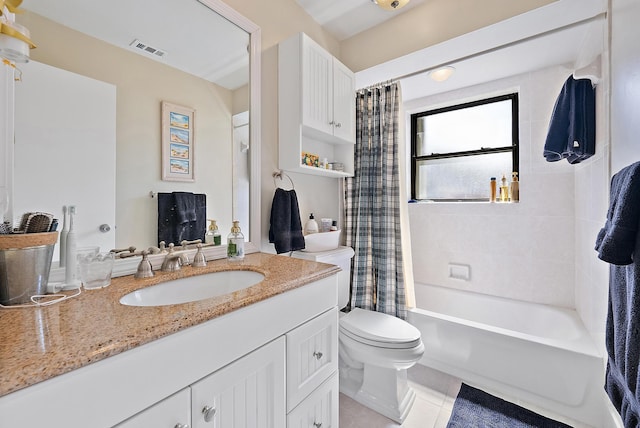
181,216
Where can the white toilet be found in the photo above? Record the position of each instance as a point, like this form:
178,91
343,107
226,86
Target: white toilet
375,349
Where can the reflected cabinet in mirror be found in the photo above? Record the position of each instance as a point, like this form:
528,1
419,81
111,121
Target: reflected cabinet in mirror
89,121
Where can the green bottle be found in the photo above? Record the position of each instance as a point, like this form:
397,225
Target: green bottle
213,235
235,243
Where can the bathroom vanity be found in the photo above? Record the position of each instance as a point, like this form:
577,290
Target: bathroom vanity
263,356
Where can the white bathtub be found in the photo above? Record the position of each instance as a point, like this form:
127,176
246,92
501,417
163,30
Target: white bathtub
540,354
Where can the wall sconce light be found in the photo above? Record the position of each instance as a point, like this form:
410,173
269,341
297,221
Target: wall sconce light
14,38
390,4
441,74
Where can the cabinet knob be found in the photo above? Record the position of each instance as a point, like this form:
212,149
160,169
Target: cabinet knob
181,425
338,124
317,354
208,413
104,228
317,424
332,123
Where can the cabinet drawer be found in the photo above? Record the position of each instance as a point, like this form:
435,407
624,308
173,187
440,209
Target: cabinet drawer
320,409
312,356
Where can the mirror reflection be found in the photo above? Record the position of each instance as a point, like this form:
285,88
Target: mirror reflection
93,137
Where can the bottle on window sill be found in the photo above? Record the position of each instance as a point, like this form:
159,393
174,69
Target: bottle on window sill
493,185
504,189
515,187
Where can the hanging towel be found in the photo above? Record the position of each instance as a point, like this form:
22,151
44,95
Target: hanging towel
181,216
572,130
285,230
185,203
618,243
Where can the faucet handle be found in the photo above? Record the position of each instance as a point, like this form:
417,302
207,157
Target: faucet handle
144,267
131,249
199,260
185,244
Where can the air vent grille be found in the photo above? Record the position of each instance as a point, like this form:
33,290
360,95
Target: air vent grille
150,50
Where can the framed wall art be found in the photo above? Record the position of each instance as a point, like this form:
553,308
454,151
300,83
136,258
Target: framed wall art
178,142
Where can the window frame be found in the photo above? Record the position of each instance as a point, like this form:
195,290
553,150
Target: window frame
513,148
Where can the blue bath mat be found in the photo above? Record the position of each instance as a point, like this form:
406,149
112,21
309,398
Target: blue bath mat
474,408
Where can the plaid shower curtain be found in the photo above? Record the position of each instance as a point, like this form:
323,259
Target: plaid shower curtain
372,204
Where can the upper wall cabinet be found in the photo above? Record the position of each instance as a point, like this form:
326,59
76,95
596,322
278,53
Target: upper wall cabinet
316,109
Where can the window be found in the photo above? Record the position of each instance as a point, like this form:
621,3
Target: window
456,150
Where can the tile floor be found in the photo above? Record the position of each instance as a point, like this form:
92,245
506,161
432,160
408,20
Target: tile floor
435,394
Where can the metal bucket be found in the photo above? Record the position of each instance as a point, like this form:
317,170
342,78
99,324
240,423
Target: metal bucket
25,262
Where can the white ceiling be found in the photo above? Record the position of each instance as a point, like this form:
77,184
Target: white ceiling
345,18
196,39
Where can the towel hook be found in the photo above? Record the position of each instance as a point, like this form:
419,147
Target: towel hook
279,174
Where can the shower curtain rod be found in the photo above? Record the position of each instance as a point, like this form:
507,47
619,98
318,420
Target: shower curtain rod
378,85
601,15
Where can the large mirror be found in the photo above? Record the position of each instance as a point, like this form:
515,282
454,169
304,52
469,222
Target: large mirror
198,54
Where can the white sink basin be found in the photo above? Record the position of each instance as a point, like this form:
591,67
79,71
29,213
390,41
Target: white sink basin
193,288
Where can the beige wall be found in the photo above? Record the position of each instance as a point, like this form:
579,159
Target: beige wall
142,84
430,23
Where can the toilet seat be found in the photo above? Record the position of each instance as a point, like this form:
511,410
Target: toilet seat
379,330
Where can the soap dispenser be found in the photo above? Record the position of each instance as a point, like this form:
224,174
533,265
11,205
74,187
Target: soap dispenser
213,235
235,243
311,226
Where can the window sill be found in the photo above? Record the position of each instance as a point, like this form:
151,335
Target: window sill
459,201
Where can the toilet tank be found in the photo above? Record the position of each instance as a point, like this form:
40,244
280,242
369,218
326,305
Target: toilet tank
340,257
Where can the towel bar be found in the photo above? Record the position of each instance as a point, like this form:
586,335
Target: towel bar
279,174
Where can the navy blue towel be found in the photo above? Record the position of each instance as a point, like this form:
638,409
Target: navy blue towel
185,205
181,216
285,230
572,130
617,243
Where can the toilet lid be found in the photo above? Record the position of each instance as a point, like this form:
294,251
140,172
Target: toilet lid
378,329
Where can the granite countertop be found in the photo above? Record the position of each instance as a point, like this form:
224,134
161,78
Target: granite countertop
37,344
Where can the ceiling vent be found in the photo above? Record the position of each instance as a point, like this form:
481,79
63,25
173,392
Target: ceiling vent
150,50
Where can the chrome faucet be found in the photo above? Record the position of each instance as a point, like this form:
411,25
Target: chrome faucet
172,262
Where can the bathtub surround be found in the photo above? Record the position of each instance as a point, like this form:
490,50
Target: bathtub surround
474,407
618,242
372,204
501,242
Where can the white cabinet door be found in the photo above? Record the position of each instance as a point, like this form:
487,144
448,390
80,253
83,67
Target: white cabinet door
172,412
344,110
319,409
317,87
312,356
316,108
248,393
